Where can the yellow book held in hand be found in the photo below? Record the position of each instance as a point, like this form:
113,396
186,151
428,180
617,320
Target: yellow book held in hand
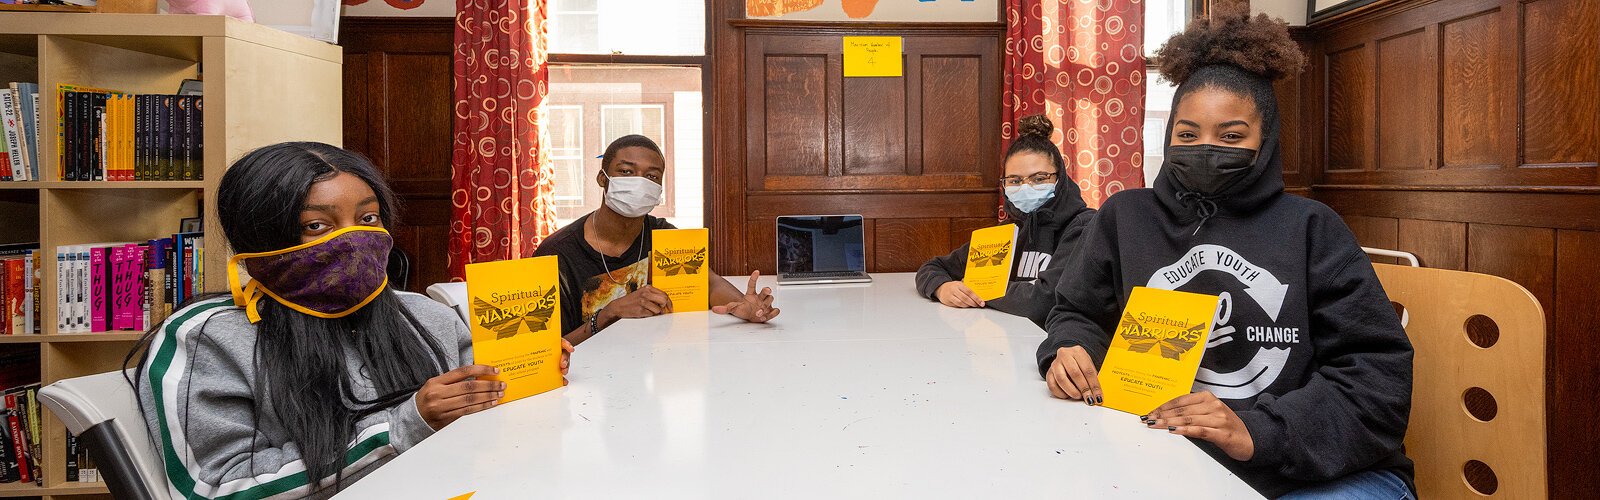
678,267
516,323
989,261
1156,349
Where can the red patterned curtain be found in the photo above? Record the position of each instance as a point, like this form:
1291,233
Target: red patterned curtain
501,176
1081,62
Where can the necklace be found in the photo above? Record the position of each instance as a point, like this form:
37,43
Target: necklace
638,256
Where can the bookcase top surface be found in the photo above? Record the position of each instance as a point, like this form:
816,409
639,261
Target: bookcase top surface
162,25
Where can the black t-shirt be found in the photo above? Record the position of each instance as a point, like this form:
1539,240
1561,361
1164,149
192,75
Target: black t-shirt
589,279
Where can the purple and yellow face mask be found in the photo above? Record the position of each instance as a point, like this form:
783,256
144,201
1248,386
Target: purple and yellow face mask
332,277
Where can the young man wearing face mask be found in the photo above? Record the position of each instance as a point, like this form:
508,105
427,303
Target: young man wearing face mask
605,255
1305,387
1050,215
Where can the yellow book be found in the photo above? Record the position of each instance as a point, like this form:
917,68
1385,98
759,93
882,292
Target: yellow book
516,323
989,261
678,267
1156,349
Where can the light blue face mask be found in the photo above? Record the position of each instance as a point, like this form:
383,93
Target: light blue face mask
1029,198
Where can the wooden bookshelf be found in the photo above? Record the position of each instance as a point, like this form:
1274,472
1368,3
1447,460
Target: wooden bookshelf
261,86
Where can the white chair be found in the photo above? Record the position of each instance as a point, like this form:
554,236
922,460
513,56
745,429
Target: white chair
453,294
103,411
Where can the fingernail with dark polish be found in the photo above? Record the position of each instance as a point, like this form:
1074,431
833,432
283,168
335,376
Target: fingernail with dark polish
1171,428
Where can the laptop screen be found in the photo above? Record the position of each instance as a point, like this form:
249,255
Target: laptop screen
820,243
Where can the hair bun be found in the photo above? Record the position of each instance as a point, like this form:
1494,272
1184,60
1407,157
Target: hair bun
1035,125
1259,44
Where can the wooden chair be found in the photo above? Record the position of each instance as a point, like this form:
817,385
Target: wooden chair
1478,397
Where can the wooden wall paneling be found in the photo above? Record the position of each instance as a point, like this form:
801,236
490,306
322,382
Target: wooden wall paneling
1560,39
961,229
792,117
761,247
1350,109
1478,93
1437,244
1573,364
416,104
1407,101
355,101
398,100
1375,232
1576,209
907,243
725,132
1514,194
874,112
1525,255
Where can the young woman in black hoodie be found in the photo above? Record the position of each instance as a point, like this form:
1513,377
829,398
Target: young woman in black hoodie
1050,215
1305,387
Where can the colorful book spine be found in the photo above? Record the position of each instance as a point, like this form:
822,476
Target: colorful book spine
19,444
164,120
24,140
64,257
34,292
30,122
81,295
197,117
8,459
16,292
97,289
13,141
5,295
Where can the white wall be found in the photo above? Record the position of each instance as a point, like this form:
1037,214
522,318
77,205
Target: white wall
1293,11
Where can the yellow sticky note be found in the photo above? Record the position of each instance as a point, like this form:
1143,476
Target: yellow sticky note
516,323
872,56
989,261
1156,349
678,267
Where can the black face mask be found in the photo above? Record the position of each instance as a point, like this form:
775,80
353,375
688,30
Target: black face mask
1208,169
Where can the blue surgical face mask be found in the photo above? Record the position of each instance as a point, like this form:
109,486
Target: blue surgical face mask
1029,198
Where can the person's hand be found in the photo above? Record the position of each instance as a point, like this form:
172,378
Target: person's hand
1072,376
1202,416
958,294
645,302
566,359
458,392
753,307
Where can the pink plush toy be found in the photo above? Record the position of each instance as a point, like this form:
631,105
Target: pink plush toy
237,9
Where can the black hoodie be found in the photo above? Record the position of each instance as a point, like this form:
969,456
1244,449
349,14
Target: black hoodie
1308,350
1045,241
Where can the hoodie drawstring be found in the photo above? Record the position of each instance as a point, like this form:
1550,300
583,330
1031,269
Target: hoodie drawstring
1204,206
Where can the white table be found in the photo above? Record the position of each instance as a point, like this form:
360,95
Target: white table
854,391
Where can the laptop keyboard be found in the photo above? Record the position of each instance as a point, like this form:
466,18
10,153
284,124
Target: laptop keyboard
827,274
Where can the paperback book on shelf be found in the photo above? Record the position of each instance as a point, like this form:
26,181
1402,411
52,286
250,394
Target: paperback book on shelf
107,135
126,286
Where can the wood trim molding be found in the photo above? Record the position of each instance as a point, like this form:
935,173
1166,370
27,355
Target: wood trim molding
1365,13
849,27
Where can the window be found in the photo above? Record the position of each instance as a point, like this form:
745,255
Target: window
628,27
622,67
1162,19
566,151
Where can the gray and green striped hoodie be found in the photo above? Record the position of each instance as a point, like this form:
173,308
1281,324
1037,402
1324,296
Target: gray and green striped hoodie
219,439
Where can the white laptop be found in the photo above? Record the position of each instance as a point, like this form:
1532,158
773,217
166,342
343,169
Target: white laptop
821,249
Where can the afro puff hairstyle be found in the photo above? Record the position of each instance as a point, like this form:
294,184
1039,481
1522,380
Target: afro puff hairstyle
1233,52
1259,45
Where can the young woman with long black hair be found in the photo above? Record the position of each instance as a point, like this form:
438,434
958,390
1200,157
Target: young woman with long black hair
313,371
